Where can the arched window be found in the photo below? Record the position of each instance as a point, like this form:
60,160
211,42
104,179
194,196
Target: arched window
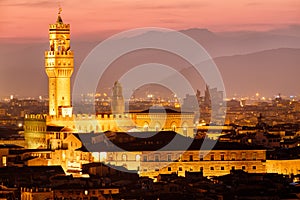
173,126
138,158
146,126
124,157
157,126
184,128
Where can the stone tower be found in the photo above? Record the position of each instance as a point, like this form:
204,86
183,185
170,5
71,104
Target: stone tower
59,65
117,101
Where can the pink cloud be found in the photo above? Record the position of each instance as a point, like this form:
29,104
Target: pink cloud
22,18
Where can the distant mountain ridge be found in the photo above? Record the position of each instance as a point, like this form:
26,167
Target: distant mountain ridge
22,64
268,72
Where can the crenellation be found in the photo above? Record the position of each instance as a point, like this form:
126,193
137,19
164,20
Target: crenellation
68,53
41,117
59,26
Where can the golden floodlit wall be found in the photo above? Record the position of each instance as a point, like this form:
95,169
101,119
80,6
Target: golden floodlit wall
283,166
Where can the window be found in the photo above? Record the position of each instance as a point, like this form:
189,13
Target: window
184,131
233,156
4,160
222,168
212,157
233,168
254,156
191,158
201,157
243,156
145,158
254,167
169,157
212,168
124,157
156,158
173,127
180,169
201,169
157,127
222,157
137,158
169,169
243,167
146,126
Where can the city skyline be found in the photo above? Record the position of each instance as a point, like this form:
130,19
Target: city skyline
183,139
228,39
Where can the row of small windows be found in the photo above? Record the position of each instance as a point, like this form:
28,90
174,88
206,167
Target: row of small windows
201,158
170,158
92,128
232,168
35,128
222,168
64,72
58,63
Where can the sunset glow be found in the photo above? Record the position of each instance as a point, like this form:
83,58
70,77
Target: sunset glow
24,18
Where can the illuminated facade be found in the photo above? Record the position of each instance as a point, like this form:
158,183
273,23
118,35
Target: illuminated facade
59,65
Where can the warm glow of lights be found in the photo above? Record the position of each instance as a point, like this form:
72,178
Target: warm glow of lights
103,156
138,157
96,156
63,156
177,105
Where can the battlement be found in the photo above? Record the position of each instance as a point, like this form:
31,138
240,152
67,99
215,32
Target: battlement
59,53
35,117
63,64
59,26
35,189
90,117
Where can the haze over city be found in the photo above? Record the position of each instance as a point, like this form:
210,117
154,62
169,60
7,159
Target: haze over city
254,44
197,99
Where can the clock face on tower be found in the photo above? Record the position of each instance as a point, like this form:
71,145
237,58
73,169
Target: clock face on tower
61,43
61,40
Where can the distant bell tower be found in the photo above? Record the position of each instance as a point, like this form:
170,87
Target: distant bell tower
59,65
117,101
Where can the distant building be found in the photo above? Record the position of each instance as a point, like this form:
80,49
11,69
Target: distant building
117,101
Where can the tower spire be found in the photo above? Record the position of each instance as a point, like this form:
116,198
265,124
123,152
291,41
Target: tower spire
59,19
59,10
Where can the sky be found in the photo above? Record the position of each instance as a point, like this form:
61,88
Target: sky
27,18
24,32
